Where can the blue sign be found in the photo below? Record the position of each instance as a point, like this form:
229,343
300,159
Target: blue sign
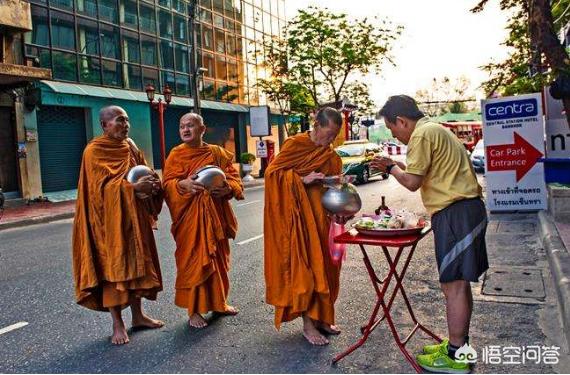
511,109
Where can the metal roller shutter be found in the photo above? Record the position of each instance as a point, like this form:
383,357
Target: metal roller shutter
62,139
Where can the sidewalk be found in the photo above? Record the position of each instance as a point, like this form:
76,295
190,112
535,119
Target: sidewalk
43,212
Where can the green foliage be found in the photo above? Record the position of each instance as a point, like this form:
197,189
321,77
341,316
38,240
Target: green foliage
325,48
358,93
247,158
518,73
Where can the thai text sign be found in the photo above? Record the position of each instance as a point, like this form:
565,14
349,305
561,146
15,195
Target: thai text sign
513,132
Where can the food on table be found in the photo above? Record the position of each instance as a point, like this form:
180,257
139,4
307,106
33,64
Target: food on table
401,219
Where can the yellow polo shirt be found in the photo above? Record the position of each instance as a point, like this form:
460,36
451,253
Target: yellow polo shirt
437,154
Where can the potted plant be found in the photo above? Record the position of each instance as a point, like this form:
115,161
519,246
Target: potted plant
246,160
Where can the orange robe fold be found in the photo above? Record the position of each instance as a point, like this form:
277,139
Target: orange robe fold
299,274
113,248
201,226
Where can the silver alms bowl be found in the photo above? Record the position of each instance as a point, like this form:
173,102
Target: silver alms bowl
210,176
341,199
137,172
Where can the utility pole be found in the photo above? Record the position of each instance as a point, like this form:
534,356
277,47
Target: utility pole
194,70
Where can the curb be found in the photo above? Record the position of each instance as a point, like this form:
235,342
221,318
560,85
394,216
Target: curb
67,215
559,261
36,220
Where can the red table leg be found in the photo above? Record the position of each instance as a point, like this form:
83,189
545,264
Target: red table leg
380,302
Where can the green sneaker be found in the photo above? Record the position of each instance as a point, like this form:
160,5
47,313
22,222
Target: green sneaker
434,348
442,363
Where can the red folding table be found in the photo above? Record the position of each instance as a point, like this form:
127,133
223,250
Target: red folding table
401,243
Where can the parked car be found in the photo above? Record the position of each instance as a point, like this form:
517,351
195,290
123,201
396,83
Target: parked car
478,157
356,157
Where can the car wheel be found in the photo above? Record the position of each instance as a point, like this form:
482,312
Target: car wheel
365,176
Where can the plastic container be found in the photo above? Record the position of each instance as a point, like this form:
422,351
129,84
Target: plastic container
556,170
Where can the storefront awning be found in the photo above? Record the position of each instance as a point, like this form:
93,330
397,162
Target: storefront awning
20,74
106,92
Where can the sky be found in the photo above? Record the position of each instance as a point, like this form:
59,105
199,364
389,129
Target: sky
440,38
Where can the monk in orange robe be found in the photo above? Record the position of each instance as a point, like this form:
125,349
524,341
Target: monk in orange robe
301,279
202,222
115,261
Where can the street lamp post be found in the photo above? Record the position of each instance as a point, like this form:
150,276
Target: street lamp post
160,106
195,72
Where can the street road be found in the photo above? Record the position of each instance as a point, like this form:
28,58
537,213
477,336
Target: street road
42,330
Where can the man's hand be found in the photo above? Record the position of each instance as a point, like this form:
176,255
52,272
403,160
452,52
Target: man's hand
147,185
189,185
312,177
221,192
381,163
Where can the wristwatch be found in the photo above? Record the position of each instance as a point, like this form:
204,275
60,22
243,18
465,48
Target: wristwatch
389,168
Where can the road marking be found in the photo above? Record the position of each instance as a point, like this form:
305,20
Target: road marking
245,204
13,327
250,240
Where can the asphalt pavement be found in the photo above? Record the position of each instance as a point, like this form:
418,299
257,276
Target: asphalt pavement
62,337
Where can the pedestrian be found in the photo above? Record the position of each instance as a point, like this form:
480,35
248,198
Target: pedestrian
437,164
301,279
115,261
202,222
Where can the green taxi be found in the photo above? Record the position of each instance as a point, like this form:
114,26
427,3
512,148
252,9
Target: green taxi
356,157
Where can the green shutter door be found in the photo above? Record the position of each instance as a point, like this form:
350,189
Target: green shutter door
62,139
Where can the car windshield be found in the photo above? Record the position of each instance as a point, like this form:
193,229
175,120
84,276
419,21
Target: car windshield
350,150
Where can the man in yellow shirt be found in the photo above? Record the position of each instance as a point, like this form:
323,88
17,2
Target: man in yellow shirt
438,165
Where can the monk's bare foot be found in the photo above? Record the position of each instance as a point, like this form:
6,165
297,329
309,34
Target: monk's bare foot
120,336
312,334
230,310
144,321
327,328
197,321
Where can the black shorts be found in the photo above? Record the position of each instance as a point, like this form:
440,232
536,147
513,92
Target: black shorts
459,233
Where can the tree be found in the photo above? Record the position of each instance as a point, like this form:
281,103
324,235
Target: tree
445,95
535,47
358,94
324,49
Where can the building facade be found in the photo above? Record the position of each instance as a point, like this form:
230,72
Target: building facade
103,52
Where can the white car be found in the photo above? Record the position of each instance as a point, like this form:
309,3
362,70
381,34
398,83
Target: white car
478,157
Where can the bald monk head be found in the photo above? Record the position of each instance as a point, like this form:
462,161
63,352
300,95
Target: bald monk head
328,122
192,129
115,122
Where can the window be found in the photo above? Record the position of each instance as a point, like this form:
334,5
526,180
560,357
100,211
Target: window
131,51
179,6
237,8
132,76
206,3
229,8
219,6
165,24
40,33
205,15
89,70
108,10
221,91
110,45
62,31
181,58
229,25
232,94
86,7
231,44
164,3
129,16
166,55
148,19
88,36
207,38
218,21
112,73
221,71
232,70
266,23
148,50
274,26
64,66
208,63
62,4
180,30
208,90
182,85
150,76
220,41
167,79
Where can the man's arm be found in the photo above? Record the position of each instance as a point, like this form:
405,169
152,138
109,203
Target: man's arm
410,181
